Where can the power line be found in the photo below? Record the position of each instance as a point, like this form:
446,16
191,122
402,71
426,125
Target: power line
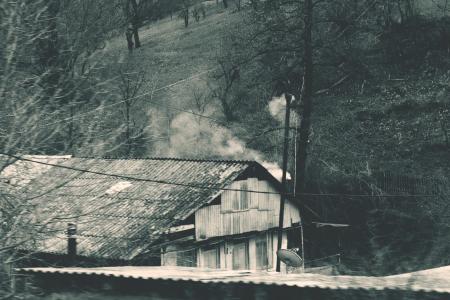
99,108
349,196
137,179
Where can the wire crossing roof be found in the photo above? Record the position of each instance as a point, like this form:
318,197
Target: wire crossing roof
119,217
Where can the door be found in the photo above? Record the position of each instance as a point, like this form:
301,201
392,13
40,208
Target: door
240,256
262,259
211,258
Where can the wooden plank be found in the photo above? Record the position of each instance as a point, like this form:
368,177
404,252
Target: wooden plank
226,202
180,228
274,199
222,256
236,223
263,198
253,186
244,196
235,195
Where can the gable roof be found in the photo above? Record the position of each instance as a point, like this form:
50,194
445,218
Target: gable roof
120,214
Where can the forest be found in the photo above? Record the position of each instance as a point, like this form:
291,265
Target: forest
368,83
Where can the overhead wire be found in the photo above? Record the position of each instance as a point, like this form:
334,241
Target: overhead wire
200,186
101,107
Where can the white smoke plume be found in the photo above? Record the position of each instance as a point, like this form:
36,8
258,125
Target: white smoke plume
191,136
275,170
277,108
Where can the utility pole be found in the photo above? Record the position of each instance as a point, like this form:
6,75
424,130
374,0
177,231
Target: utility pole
288,98
305,110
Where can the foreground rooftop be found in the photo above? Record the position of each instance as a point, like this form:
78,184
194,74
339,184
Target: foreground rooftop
432,280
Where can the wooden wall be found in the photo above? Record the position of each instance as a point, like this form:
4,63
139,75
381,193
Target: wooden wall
225,252
241,212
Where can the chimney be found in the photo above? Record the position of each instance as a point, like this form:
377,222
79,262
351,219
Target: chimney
71,242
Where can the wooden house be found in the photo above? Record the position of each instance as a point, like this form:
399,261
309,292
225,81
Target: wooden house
237,229
155,211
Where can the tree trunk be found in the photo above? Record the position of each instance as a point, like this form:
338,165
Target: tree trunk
136,23
128,128
307,100
225,3
71,134
137,41
186,17
48,49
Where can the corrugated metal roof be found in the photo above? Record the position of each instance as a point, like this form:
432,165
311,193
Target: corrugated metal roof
119,218
433,280
19,173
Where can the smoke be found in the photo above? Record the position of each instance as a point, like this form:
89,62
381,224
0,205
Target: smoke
275,170
192,136
277,108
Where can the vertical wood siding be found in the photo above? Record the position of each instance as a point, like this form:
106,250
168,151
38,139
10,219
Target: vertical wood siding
255,212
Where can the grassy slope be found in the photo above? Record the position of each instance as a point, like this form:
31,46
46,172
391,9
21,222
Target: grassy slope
395,127
391,125
177,62
170,53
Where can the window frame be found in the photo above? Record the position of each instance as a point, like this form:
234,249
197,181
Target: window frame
182,254
215,248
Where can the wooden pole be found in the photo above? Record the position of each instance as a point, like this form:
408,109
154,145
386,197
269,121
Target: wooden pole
283,178
305,110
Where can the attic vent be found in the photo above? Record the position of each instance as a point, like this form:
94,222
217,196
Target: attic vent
118,187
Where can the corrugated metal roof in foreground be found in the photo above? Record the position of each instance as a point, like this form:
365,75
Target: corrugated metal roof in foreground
433,280
118,218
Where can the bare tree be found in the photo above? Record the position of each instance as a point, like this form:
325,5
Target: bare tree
34,106
132,15
184,13
130,83
226,76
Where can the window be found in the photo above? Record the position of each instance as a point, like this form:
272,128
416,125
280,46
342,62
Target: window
244,195
240,198
240,256
187,258
211,258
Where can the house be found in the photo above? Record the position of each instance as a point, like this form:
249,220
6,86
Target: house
155,211
236,229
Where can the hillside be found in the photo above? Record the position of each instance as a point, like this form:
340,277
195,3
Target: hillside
397,124
176,64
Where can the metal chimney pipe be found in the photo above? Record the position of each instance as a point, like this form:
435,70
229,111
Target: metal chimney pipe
71,242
